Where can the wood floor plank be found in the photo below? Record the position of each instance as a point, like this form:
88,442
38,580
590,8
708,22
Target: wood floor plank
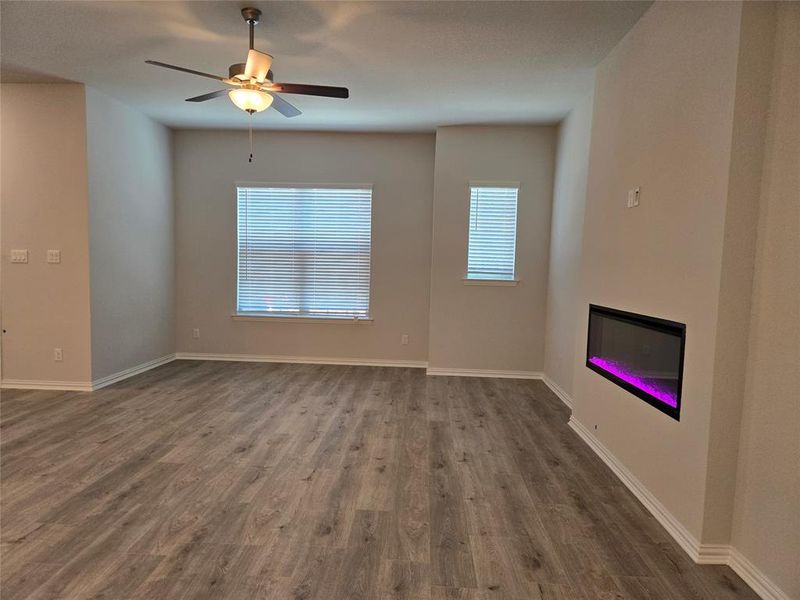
300,482
451,554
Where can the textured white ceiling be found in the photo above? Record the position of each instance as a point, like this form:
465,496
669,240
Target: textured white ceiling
410,66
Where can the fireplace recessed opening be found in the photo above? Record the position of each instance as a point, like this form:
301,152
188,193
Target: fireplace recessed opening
641,354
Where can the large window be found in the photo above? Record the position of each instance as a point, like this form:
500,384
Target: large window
304,251
492,231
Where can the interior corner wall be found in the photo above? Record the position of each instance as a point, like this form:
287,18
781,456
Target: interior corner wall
131,228
490,327
566,239
766,523
663,114
208,165
45,206
753,78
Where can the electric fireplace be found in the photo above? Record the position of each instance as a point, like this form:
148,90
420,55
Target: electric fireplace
641,354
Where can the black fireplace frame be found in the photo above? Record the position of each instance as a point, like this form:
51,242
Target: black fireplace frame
655,323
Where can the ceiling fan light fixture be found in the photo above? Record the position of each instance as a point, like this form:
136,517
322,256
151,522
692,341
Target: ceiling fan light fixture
250,100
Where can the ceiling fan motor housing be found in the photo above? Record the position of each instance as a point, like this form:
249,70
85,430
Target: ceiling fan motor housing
238,69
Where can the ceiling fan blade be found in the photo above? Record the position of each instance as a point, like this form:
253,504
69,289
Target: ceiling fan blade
184,70
284,107
309,90
257,66
209,96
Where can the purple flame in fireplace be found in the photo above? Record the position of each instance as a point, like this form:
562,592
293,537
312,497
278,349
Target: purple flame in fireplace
616,369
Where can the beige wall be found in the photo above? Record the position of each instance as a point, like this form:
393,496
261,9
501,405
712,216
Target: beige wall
490,327
767,513
566,240
753,73
131,231
663,114
400,167
45,206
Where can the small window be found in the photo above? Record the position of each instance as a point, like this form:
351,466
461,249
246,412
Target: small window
304,251
492,232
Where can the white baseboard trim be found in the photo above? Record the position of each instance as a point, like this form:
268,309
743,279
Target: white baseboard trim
304,360
125,373
556,389
704,554
712,554
754,577
36,384
86,386
365,362
483,373
668,521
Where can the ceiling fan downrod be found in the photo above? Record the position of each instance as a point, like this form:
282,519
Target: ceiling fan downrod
252,16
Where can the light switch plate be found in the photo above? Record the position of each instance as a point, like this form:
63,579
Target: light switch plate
19,256
633,197
54,256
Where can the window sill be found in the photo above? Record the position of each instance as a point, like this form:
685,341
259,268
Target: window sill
300,319
494,282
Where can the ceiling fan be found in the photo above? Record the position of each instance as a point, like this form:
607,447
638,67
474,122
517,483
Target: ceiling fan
251,83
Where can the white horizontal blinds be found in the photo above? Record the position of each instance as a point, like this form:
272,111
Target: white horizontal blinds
492,232
304,250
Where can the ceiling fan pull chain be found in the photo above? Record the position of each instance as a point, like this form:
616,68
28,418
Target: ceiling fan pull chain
250,129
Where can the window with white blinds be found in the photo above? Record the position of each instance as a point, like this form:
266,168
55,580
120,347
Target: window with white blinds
492,232
304,250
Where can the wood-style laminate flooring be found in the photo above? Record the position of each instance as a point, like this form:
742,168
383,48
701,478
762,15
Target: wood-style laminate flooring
247,480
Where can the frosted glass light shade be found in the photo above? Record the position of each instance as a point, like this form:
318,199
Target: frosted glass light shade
250,100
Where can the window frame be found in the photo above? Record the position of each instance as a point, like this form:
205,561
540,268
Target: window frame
467,280
239,315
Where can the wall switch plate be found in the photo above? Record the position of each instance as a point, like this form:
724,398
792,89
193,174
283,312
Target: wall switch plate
633,197
196,333
54,257
58,355
19,256
404,339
